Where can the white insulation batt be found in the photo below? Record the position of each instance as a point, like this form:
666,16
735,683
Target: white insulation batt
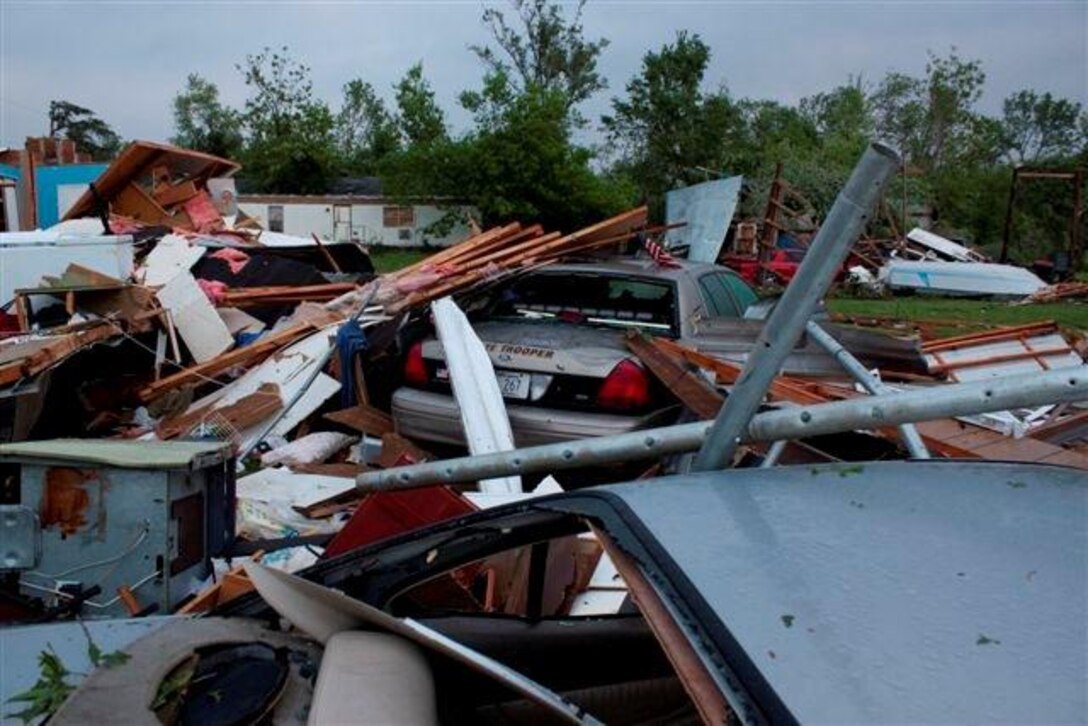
483,413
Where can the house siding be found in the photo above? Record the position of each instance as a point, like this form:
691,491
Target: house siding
305,216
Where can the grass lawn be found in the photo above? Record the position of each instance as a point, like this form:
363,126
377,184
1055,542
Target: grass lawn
389,259
962,316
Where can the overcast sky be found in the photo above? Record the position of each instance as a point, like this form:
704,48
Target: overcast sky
126,60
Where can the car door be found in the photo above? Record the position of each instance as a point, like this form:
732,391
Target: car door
722,331
725,295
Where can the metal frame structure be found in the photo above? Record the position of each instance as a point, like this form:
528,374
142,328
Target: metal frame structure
893,409
1076,177
787,321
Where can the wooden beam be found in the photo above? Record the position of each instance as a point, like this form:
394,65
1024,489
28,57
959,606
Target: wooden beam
691,390
249,355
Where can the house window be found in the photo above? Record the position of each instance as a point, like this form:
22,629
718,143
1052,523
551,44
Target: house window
398,217
275,217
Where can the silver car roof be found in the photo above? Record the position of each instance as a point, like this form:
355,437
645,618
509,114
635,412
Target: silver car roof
643,266
916,592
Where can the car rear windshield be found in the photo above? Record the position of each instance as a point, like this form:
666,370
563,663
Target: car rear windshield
590,298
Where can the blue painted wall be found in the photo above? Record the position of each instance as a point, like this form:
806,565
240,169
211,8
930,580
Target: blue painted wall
10,172
48,178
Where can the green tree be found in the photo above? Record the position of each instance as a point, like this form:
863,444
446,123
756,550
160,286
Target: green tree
419,117
667,126
542,48
1039,127
519,162
91,134
291,145
366,132
932,119
842,118
203,123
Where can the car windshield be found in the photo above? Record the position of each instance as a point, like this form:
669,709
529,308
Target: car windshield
590,298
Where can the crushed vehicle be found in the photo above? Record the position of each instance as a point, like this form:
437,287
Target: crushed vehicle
556,335
749,596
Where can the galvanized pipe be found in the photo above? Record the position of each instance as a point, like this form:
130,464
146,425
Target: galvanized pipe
786,322
774,452
911,438
795,422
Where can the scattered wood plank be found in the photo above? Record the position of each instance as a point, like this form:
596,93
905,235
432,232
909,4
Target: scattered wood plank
168,196
43,354
784,388
344,470
695,393
284,294
398,451
249,355
364,419
244,413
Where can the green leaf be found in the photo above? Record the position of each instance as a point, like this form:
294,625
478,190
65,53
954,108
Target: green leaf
48,693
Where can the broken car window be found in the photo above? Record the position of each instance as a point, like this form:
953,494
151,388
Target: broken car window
596,299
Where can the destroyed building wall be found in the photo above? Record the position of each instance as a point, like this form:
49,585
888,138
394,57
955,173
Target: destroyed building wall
9,199
49,175
370,220
58,188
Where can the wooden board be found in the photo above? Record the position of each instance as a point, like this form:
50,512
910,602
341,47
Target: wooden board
249,355
364,419
695,393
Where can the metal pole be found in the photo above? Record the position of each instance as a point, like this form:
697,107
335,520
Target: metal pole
911,438
787,321
959,399
774,452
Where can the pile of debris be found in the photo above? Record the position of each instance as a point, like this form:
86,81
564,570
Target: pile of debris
156,312
244,412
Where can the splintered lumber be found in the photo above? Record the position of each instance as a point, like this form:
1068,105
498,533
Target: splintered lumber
364,419
784,388
504,241
695,393
168,196
326,254
970,441
506,258
1060,291
284,294
234,583
470,246
944,437
471,273
249,355
246,412
999,334
27,359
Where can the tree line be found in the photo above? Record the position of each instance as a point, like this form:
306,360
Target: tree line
520,157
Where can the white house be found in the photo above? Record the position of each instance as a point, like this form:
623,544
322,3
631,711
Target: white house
370,220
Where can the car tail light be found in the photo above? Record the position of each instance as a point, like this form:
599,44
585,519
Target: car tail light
415,370
626,388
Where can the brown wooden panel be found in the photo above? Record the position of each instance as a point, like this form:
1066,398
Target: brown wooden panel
364,419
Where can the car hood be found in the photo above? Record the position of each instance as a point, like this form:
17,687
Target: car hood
546,346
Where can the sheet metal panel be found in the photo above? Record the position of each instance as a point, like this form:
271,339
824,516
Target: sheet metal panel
707,209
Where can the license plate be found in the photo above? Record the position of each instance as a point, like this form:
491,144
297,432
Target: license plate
513,385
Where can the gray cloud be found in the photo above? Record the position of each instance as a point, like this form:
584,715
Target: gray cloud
127,60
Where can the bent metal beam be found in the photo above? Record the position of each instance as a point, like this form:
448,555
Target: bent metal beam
961,399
